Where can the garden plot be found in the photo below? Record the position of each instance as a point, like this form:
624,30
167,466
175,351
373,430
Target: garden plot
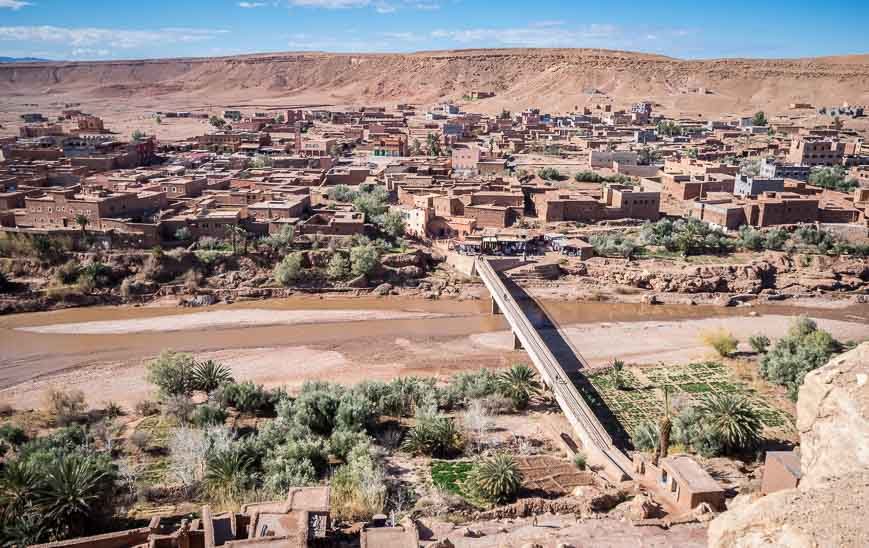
640,398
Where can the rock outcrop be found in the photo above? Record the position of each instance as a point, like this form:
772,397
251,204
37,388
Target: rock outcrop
831,504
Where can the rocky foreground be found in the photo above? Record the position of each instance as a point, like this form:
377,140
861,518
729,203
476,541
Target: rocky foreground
829,508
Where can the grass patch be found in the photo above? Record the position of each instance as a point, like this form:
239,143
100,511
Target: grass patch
451,476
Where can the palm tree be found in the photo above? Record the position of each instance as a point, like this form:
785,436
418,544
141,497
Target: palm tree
732,419
81,221
17,484
618,380
519,384
208,375
666,426
497,478
70,490
227,472
236,232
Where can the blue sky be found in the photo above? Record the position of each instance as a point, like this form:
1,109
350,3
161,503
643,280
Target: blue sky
125,29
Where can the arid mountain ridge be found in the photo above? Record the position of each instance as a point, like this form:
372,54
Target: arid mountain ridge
555,79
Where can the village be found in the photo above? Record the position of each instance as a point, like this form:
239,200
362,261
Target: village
433,202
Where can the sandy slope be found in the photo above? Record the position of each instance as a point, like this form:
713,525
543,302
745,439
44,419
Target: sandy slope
555,79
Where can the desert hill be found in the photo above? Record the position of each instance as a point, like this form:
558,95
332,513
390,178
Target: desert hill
554,79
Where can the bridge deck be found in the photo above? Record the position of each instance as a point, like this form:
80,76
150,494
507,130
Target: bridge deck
539,342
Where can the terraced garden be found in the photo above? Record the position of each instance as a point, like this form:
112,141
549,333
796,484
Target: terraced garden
639,399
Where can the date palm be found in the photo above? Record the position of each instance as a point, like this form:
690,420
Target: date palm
496,478
82,221
732,419
519,383
665,428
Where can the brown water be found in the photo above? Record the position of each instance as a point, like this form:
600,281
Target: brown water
27,355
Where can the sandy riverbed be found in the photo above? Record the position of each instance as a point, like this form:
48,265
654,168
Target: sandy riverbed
223,319
360,356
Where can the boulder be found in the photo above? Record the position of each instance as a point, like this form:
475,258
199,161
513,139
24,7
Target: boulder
382,289
830,504
416,258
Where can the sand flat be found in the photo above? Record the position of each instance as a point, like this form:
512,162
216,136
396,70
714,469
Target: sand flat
218,319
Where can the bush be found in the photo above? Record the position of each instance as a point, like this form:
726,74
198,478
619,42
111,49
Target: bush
371,201
647,436
208,415
12,435
689,236
65,406
391,224
359,486
464,387
497,478
759,343
289,270
363,259
342,442
339,267
316,407
141,440
434,436
721,341
179,407
146,408
580,461
228,473
550,174
803,349
67,273
247,397
172,373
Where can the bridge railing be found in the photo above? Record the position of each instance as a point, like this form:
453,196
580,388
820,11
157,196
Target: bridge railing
549,366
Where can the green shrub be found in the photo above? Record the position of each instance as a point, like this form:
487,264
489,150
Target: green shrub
550,174
359,486
12,434
67,273
496,478
208,415
246,396
803,349
646,436
464,387
580,461
228,473
339,267
172,374
289,270
434,436
146,408
759,343
364,259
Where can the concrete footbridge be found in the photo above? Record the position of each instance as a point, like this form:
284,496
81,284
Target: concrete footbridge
596,441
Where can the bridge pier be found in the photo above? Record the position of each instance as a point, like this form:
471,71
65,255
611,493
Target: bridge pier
517,344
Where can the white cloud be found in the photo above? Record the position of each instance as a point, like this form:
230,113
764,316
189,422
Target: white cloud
381,6
331,4
250,5
549,34
106,38
14,5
